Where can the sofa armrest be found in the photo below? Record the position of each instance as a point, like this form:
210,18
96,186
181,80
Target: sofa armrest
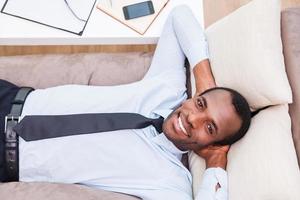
290,23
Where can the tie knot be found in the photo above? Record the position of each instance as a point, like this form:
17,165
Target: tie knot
158,123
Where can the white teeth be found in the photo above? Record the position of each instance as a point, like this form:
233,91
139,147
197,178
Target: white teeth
181,126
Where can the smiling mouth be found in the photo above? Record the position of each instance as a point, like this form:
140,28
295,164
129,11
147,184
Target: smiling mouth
181,126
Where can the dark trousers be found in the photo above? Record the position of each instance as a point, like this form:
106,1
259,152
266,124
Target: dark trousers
8,92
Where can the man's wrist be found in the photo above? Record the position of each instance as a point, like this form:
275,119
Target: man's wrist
217,160
203,76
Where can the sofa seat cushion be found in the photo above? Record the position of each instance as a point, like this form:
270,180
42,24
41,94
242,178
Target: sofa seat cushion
51,191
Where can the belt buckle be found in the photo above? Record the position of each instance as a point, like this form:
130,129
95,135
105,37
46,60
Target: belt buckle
10,122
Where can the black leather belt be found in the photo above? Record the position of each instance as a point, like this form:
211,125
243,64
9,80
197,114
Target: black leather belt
11,139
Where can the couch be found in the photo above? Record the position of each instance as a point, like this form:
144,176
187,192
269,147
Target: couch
114,69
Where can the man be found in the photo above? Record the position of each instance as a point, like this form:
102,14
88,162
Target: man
141,162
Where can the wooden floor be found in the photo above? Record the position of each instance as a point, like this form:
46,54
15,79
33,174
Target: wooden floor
213,11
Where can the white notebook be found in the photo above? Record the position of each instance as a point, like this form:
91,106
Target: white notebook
114,8
67,15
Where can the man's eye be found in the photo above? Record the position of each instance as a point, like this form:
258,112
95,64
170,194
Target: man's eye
200,103
210,128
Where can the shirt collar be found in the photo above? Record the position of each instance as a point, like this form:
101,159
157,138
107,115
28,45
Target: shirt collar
162,140
163,112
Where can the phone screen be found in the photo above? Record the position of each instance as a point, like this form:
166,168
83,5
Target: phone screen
138,10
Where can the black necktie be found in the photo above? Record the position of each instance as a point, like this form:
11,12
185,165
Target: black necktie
38,127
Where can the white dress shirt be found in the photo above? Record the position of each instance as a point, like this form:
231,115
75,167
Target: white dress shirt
139,162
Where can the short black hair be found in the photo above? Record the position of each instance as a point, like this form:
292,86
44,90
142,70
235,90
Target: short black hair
242,108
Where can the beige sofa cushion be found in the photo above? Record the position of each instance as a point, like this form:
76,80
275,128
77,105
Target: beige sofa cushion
41,71
48,191
246,53
263,165
291,43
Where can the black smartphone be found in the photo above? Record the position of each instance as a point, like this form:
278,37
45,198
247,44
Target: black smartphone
138,10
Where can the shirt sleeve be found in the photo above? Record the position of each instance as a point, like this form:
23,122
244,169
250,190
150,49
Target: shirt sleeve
211,178
190,35
182,36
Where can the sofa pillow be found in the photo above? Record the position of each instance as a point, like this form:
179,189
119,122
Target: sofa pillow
263,165
246,53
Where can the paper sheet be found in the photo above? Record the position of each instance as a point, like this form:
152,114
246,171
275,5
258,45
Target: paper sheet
54,13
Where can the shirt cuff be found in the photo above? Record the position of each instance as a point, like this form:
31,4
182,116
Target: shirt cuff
198,52
213,176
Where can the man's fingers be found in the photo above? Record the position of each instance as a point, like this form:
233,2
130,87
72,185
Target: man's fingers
220,148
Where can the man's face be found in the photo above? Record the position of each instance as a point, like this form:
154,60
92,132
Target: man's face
202,121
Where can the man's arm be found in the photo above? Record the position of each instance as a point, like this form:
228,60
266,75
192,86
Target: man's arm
183,36
192,40
204,78
214,184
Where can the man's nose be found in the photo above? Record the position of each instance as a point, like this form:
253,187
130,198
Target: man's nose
195,119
